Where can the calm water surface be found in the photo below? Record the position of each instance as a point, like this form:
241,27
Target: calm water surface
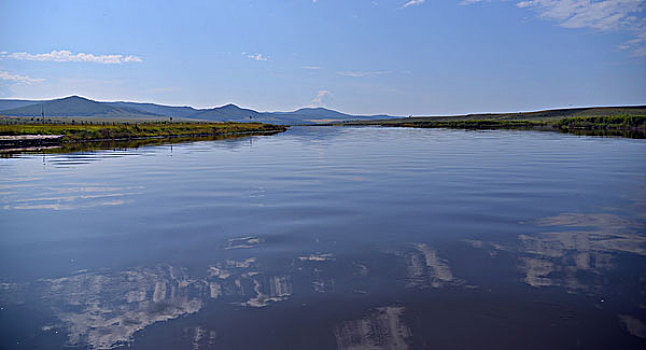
327,237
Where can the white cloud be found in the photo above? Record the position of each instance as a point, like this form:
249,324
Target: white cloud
359,74
132,59
257,57
68,56
320,96
638,44
601,15
413,3
17,78
311,67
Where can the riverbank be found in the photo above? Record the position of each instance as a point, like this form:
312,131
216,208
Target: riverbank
50,134
629,126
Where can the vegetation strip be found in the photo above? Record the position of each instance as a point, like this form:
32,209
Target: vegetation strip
636,123
82,133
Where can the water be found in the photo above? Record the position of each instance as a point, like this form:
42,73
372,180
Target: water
326,237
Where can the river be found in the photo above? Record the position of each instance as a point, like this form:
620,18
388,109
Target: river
329,237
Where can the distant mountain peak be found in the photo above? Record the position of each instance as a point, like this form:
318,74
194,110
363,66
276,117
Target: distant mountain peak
75,97
78,106
319,109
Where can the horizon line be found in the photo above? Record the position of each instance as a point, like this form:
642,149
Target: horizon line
334,110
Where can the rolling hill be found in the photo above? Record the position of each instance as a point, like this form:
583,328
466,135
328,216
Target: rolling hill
170,111
11,104
75,106
229,112
545,115
323,115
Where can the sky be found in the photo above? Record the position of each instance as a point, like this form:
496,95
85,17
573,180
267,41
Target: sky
401,57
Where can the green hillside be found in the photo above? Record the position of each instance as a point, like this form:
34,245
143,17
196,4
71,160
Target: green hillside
87,110
544,117
75,106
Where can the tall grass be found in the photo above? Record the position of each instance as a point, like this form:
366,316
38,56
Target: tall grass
77,132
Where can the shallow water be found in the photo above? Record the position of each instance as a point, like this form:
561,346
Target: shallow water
326,237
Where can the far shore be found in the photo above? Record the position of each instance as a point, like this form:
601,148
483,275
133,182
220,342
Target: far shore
633,126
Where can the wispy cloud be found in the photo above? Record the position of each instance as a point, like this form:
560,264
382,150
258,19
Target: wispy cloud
413,3
18,78
600,15
604,15
359,74
68,56
638,44
257,57
311,67
320,96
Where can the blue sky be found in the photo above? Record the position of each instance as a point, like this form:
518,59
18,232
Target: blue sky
357,56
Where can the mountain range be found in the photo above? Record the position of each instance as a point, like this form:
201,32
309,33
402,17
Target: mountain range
80,107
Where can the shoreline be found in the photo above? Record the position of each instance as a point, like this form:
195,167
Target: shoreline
34,135
625,126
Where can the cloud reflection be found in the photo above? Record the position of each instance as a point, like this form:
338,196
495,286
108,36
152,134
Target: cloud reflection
382,329
73,198
426,269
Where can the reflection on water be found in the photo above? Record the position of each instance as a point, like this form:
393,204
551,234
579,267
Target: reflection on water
105,310
634,326
605,221
382,329
575,260
425,269
357,238
72,198
120,145
632,134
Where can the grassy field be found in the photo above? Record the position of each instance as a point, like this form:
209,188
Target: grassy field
598,120
89,132
92,120
547,115
608,122
89,146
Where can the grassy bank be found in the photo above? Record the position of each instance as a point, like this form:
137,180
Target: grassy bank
635,124
94,145
596,122
76,132
603,122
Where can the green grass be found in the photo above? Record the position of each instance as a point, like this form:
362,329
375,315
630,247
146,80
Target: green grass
613,122
589,122
92,120
89,146
469,124
75,132
620,125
